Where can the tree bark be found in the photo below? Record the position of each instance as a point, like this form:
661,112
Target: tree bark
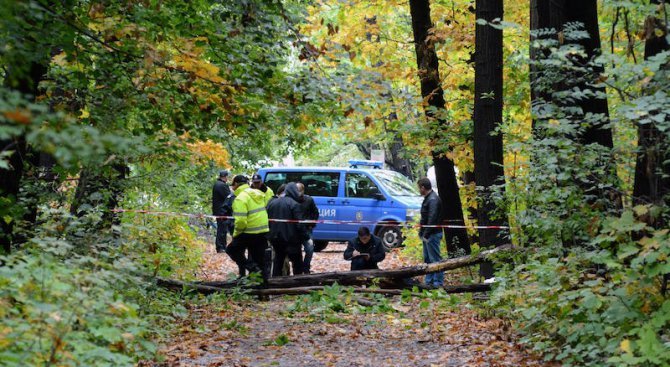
488,108
650,184
431,91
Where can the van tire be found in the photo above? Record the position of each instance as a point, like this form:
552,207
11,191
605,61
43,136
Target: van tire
320,245
391,237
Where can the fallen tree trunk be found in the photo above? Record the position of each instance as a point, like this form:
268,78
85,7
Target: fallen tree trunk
389,280
177,285
392,278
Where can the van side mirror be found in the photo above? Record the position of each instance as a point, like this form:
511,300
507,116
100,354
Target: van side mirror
375,194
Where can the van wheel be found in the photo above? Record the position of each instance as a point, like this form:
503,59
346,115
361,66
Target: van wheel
320,245
391,237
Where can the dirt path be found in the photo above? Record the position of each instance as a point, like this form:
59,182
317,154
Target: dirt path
219,266
334,330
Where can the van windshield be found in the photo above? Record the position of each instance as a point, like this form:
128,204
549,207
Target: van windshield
396,183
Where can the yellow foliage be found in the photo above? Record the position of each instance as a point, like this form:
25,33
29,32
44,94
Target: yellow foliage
204,152
198,67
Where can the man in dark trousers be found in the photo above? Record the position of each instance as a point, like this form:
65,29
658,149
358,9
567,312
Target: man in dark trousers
310,212
287,237
220,192
431,215
365,250
251,228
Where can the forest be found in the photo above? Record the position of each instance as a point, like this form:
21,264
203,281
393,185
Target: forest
547,118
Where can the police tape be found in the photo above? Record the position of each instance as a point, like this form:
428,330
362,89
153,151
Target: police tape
308,221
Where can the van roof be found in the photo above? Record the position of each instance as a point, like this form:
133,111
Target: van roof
320,169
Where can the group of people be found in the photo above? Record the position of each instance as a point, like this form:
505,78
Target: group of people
294,215
251,203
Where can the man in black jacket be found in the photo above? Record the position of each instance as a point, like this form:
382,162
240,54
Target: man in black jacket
310,212
431,215
365,250
220,192
287,237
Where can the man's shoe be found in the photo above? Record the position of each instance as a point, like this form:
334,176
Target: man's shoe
490,280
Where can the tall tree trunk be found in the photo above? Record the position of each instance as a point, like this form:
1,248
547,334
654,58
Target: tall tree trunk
488,144
556,14
542,16
431,90
586,12
652,175
25,82
590,118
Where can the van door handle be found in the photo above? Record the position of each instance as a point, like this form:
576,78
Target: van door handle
331,201
345,201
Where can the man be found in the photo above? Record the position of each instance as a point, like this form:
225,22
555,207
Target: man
286,237
220,192
258,184
251,228
310,212
365,250
431,214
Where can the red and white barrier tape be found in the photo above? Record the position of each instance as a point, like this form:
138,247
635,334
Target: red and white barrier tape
320,221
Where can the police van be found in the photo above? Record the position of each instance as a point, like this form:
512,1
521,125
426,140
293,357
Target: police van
364,192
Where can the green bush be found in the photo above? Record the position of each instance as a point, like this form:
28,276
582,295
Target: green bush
601,305
69,310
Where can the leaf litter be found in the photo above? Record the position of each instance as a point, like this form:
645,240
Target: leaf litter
432,331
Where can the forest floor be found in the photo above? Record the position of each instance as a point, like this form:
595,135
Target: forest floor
333,329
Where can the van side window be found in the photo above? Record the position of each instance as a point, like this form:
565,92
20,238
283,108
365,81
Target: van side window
316,183
275,179
359,186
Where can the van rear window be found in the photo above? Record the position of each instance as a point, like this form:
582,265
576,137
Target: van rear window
316,183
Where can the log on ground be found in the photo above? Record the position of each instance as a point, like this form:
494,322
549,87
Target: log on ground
177,285
391,278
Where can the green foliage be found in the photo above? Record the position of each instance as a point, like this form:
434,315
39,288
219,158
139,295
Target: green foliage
611,314
65,309
588,289
335,300
279,341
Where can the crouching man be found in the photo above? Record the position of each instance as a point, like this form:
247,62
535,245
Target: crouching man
365,250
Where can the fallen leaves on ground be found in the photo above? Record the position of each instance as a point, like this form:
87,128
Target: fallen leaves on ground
254,333
273,333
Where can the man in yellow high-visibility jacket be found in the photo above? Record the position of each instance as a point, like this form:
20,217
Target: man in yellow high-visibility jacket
251,228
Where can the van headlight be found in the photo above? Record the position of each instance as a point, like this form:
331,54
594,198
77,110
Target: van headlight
411,214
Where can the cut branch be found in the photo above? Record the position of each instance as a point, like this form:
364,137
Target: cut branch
177,285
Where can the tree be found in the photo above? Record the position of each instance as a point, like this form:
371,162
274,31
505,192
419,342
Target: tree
488,109
561,16
127,83
652,170
431,91
10,177
570,106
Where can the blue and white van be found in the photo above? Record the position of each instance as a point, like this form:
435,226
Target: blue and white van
370,195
